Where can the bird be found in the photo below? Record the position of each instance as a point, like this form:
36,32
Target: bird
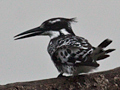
71,54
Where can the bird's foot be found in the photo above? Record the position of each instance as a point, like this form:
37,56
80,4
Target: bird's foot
60,75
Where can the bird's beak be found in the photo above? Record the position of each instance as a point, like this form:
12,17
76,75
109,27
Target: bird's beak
30,33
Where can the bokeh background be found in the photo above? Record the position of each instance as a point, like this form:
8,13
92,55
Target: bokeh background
27,59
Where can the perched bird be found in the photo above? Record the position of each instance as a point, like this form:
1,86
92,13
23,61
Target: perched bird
71,54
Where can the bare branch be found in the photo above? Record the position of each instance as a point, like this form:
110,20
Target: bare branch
107,80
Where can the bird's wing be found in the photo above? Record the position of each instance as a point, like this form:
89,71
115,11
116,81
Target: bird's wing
75,56
71,50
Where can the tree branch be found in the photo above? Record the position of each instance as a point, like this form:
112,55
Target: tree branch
107,80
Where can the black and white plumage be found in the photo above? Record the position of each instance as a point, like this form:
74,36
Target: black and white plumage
71,54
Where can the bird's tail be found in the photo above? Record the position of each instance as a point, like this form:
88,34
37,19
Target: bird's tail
99,52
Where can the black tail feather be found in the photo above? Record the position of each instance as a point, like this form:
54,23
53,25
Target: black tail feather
103,57
109,50
105,43
99,52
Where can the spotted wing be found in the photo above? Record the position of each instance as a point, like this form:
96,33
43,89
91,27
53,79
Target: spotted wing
73,56
71,50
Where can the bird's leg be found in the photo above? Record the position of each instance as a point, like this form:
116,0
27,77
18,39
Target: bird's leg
60,75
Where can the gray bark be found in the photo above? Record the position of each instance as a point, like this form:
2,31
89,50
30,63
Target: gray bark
107,80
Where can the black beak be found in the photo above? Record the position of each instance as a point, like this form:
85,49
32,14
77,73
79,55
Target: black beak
30,33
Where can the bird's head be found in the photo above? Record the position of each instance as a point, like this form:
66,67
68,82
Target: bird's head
53,27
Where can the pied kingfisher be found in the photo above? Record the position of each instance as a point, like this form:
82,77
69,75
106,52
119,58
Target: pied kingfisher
71,54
